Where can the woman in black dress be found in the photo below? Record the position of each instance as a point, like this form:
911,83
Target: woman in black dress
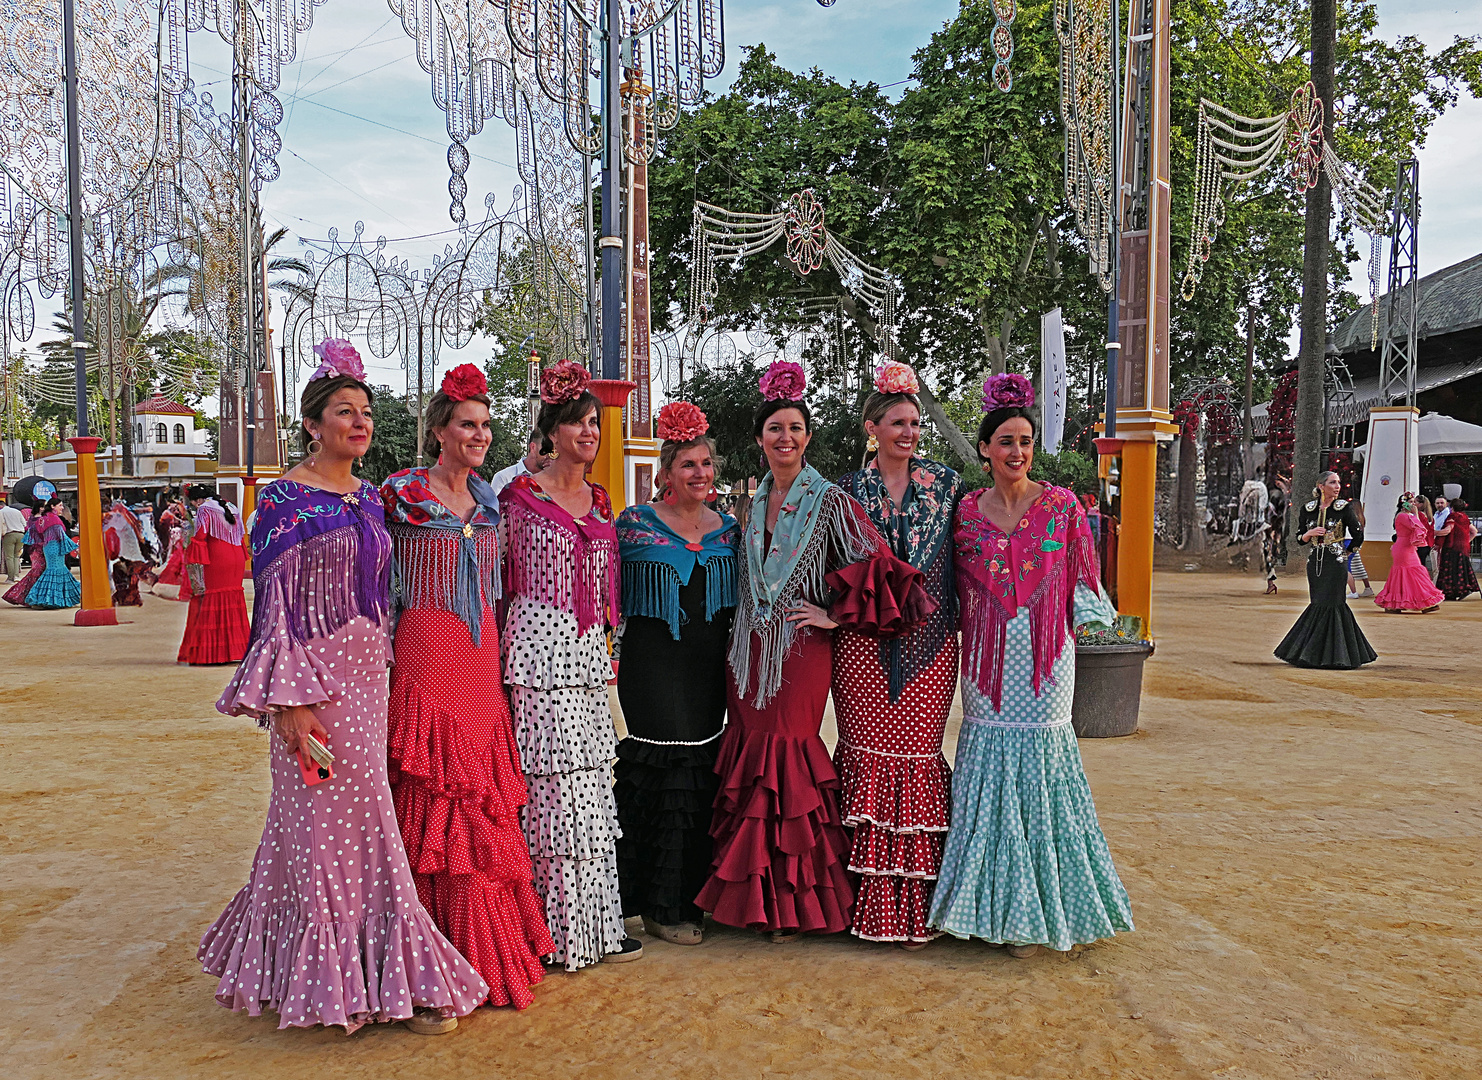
679,596
1326,635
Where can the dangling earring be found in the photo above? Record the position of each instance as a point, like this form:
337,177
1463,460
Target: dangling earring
713,495
669,497
872,445
553,455
313,453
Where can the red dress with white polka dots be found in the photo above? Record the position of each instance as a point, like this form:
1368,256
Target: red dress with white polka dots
454,767
891,700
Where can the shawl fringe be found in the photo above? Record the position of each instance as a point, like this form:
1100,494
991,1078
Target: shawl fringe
841,533
651,588
308,587
211,521
443,569
551,562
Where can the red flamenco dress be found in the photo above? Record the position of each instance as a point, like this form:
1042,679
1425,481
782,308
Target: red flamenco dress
892,698
780,844
1408,584
455,769
216,628
174,544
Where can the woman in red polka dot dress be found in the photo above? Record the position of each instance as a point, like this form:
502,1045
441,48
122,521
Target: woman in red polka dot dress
891,697
454,767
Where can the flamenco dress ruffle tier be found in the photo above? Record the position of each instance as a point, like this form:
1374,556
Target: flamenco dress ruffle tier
780,845
1408,586
455,774
1326,635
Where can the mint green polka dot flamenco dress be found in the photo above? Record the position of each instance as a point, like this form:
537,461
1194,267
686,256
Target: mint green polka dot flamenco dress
1025,862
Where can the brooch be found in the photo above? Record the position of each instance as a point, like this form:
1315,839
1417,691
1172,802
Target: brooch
351,497
467,530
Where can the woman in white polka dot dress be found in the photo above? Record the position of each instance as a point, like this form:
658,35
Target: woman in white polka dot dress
892,697
328,929
561,596
1026,863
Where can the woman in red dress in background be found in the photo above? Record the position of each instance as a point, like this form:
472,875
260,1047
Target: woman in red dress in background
1456,579
454,766
174,538
216,629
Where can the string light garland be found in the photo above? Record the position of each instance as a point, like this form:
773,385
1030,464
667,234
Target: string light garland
1083,28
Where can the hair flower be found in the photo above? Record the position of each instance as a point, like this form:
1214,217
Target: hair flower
783,381
681,422
1010,391
562,382
894,377
463,382
337,357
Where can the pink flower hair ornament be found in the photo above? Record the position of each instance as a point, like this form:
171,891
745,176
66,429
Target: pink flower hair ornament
1009,391
337,357
681,422
783,381
894,377
562,382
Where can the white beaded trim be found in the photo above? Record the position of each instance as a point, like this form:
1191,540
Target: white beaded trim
657,742
1017,724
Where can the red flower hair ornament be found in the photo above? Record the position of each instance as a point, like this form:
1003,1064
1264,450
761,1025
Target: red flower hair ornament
681,422
784,381
463,382
563,382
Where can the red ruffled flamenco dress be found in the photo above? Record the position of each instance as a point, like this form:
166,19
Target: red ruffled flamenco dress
780,845
1409,584
216,628
453,763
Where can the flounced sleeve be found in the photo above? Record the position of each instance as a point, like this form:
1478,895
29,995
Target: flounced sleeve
877,595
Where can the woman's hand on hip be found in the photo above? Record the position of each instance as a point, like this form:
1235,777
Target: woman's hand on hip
805,614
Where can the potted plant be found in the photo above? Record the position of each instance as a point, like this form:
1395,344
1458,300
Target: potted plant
1108,679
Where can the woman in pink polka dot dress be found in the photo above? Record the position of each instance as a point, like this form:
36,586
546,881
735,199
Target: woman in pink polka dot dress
455,769
328,929
892,697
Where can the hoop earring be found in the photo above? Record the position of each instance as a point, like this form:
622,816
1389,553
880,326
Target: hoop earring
669,496
313,453
872,445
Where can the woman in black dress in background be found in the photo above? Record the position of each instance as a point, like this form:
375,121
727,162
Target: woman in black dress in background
1326,635
679,597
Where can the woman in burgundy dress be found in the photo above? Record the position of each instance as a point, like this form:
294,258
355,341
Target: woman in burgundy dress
1457,579
216,628
453,764
809,562
328,929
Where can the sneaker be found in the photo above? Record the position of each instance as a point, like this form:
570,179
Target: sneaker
630,949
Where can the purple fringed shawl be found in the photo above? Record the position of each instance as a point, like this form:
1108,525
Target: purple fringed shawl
320,557
569,563
1037,567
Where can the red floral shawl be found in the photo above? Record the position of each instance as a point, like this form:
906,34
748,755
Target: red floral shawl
1037,567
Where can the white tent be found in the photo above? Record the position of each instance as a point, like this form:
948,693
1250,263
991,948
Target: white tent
1442,435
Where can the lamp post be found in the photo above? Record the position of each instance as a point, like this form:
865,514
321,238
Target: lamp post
97,598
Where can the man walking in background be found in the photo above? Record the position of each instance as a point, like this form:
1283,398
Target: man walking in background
12,536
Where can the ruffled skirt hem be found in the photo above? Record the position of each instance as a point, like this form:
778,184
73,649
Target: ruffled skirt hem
664,799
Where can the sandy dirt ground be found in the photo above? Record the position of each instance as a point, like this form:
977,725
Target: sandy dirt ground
1301,849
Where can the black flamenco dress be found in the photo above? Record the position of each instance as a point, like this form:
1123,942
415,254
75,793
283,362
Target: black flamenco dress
678,603
1326,635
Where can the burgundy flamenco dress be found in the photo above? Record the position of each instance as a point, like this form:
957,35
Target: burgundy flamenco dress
328,929
216,628
38,525
453,763
892,698
1409,584
1457,580
780,846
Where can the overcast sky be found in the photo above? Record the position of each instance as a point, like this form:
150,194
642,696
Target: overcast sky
364,142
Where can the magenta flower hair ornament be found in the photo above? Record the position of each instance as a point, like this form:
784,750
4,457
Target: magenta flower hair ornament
1010,391
337,357
783,381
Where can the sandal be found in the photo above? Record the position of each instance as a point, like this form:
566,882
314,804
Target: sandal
430,1022
685,933
912,946
1270,588
1022,952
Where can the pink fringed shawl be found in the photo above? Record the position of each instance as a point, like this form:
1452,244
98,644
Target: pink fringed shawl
1037,566
569,563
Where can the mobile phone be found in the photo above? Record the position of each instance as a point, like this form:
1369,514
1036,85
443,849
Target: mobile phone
315,762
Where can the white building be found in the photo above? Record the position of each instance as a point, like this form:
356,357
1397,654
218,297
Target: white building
167,445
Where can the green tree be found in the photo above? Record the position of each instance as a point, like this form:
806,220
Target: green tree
394,445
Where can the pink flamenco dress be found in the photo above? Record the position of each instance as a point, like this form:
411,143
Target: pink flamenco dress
781,850
453,761
328,929
1408,586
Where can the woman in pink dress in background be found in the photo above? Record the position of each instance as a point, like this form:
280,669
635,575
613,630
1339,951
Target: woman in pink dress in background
1408,586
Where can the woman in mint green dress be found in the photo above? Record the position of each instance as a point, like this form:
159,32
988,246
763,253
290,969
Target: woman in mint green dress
1025,863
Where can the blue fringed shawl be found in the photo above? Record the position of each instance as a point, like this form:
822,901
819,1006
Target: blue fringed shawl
657,562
